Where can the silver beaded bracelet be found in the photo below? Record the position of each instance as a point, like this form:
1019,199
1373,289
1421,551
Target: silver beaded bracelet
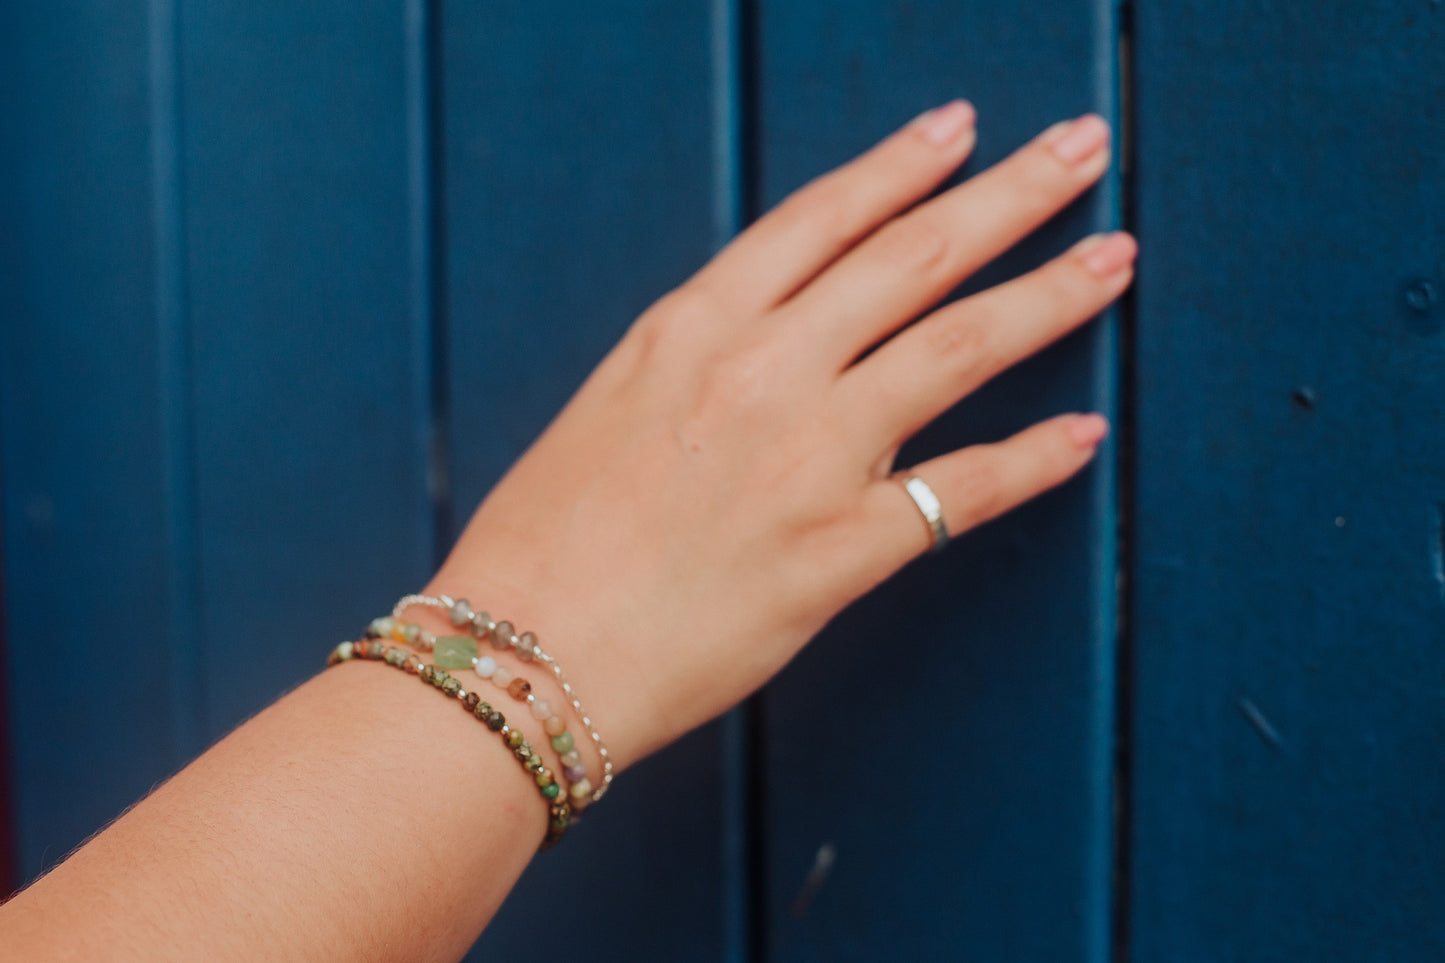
526,647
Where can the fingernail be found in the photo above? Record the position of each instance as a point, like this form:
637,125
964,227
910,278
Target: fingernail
1075,141
1107,254
943,124
1088,430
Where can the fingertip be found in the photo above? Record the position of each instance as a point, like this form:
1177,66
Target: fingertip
948,123
1087,431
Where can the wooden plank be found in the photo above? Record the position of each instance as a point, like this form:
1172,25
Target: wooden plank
949,740
86,552
1290,634
579,188
309,344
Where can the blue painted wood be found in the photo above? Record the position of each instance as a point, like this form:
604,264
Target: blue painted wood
949,739
213,360
1290,623
87,559
309,332
580,186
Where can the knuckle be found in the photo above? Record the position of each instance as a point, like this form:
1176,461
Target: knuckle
962,343
824,208
915,245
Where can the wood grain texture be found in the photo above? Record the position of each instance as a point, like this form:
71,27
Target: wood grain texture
950,737
579,188
1287,795
86,554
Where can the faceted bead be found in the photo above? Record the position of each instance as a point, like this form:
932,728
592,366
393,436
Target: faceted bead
563,742
515,739
503,676
580,790
502,636
439,678
527,647
455,651
380,628
395,656
555,726
471,700
376,650
571,758
495,721
518,689
551,790
343,651
451,686
411,664
481,710
461,612
482,623
541,708
426,673
533,763
574,773
485,666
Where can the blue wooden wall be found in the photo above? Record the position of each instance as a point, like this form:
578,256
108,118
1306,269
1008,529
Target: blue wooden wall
284,288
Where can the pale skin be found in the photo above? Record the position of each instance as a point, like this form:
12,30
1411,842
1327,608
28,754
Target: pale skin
715,492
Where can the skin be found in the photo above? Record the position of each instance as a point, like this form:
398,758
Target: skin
715,492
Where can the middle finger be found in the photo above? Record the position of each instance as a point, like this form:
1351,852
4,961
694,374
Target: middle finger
914,260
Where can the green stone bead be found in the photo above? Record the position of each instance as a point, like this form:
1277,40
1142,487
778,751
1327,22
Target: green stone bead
532,763
395,656
481,710
426,673
515,739
451,686
563,743
455,651
551,790
439,678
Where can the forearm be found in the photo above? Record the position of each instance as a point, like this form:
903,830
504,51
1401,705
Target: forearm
362,817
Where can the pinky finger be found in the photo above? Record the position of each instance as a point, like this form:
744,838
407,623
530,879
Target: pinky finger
981,482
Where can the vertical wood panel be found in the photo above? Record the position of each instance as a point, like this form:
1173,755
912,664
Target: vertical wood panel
310,451
1290,622
579,188
86,556
950,738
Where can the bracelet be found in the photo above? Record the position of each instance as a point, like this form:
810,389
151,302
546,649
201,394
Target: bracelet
527,648
460,652
559,810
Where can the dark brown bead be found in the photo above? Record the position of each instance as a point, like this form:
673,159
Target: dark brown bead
518,689
427,673
471,700
495,721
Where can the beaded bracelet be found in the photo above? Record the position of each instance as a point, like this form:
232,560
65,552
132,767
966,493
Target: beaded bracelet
559,810
503,636
461,652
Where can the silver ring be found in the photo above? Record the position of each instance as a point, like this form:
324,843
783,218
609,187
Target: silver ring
930,507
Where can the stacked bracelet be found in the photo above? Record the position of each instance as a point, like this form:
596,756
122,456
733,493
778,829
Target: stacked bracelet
559,809
461,652
525,646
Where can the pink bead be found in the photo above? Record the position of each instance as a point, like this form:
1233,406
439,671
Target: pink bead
541,709
503,676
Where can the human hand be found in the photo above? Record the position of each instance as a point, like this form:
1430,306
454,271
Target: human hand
721,485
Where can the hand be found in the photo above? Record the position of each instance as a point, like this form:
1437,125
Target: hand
721,485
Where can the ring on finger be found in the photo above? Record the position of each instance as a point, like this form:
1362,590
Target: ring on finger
928,506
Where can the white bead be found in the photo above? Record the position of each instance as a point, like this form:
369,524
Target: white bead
503,675
485,666
541,709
